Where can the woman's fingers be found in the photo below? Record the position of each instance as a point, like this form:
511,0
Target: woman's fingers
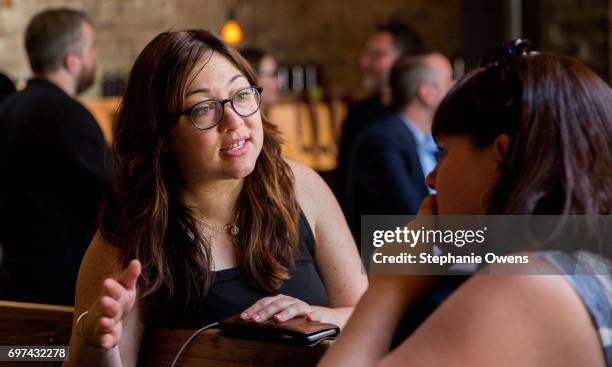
107,341
273,308
296,309
109,331
104,321
110,307
314,316
118,293
280,307
106,324
249,312
112,288
130,275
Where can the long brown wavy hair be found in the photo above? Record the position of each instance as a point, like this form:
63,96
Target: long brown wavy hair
144,215
559,122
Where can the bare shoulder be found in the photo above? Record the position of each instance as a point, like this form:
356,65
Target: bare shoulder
102,257
312,192
506,320
307,180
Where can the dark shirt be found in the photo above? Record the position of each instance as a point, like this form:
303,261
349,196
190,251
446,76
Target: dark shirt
360,116
231,292
55,167
385,175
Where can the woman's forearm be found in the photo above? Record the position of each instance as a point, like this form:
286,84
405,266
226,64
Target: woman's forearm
82,354
335,315
368,334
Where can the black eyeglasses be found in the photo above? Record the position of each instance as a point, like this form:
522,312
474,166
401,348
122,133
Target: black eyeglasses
207,114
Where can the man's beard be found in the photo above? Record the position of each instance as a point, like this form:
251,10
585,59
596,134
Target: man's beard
86,80
372,84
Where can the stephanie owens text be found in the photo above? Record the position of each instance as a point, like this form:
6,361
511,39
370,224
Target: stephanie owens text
449,259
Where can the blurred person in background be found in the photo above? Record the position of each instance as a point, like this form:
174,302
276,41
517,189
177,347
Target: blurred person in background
6,87
265,66
54,162
392,157
389,41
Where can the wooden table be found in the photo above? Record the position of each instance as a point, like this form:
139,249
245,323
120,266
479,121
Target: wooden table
212,349
43,325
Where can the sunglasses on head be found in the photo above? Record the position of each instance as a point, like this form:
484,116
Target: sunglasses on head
506,59
508,51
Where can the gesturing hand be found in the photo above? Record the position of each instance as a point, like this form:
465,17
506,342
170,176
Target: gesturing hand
281,308
102,326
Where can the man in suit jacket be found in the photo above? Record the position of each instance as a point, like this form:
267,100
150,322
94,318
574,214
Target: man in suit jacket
385,45
391,158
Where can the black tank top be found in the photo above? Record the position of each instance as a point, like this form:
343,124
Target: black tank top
231,292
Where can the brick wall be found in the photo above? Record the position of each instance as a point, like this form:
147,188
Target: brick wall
328,33
580,28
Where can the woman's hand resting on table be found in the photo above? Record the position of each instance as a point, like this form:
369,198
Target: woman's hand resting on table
102,326
281,308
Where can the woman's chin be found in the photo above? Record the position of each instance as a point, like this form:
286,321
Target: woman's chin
239,170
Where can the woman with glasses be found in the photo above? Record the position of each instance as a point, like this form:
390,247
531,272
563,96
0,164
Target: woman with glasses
524,134
206,220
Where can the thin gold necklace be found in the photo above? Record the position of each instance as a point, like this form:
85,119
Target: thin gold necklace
231,228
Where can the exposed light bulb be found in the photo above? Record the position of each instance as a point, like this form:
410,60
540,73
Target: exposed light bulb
231,32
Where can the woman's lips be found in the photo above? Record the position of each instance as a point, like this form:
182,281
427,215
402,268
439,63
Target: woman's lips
236,149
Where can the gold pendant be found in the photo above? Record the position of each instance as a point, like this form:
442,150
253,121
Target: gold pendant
234,230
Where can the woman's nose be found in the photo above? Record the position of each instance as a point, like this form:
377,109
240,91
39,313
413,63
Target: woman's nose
231,120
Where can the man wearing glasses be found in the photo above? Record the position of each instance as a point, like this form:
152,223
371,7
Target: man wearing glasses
54,163
389,41
391,159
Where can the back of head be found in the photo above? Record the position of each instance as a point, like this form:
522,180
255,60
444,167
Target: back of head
407,74
405,39
52,34
558,115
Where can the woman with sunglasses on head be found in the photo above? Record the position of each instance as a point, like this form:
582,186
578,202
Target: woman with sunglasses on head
525,134
206,220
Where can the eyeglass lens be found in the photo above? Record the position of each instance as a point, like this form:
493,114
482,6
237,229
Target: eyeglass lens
207,114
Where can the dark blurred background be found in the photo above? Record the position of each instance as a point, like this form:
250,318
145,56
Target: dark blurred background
327,34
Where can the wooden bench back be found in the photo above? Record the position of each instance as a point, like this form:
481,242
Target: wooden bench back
34,324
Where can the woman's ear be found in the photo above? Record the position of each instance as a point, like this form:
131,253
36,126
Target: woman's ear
500,148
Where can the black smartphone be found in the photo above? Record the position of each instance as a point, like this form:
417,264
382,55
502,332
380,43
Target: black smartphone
295,331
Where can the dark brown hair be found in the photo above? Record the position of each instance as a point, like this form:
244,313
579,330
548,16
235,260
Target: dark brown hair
51,34
145,217
560,125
